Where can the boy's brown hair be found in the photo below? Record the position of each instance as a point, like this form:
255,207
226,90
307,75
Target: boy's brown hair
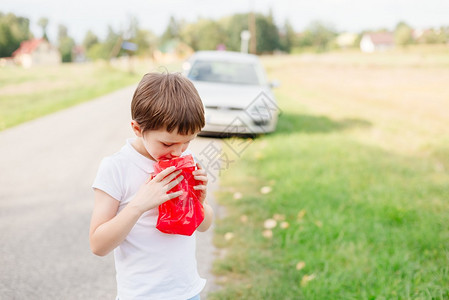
167,100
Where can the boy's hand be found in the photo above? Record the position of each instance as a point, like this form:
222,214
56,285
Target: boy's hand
201,175
154,192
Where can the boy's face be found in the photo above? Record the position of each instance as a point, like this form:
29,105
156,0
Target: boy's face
161,144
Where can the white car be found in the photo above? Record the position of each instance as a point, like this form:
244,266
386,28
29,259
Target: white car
235,92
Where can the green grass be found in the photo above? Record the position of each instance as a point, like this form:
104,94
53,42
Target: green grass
375,220
26,94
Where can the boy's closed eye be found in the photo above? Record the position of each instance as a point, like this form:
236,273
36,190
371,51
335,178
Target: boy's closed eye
169,144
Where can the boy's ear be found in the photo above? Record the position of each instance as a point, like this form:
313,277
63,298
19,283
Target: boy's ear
136,128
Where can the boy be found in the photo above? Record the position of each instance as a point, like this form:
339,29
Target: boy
167,113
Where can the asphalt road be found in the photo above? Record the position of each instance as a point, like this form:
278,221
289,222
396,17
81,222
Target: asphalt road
46,169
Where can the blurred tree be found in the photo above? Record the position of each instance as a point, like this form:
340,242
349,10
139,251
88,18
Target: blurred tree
444,34
63,32
205,34
172,31
98,51
436,36
111,46
358,39
188,35
43,23
233,27
66,43
90,39
92,45
267,34
287,37
112,43
146,42
133,28
13,30
318,35
403,34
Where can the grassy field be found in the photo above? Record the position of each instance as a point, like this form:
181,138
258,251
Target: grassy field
26,94
349,199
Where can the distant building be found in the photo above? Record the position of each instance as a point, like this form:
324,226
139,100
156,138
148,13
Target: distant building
346,40
379,41
79,54
36,52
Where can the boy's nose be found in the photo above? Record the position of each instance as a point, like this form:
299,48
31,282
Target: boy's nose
177,151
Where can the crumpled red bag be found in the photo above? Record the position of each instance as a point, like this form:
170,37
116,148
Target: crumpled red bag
183,214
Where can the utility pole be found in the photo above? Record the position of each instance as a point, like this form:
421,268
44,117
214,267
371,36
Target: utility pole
252,29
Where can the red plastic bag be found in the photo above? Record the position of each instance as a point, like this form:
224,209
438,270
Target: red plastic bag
183,214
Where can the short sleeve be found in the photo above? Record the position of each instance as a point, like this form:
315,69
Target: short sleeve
109,179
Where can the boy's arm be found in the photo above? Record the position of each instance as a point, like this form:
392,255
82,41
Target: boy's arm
208,217
107,228
201,175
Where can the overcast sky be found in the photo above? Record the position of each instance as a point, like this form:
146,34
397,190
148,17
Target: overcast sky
345,15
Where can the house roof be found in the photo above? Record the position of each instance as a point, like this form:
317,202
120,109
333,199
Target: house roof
384,38
77,49
27,47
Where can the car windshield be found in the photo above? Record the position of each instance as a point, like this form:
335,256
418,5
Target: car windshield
224,72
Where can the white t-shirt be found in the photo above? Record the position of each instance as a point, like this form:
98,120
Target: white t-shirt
149,264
